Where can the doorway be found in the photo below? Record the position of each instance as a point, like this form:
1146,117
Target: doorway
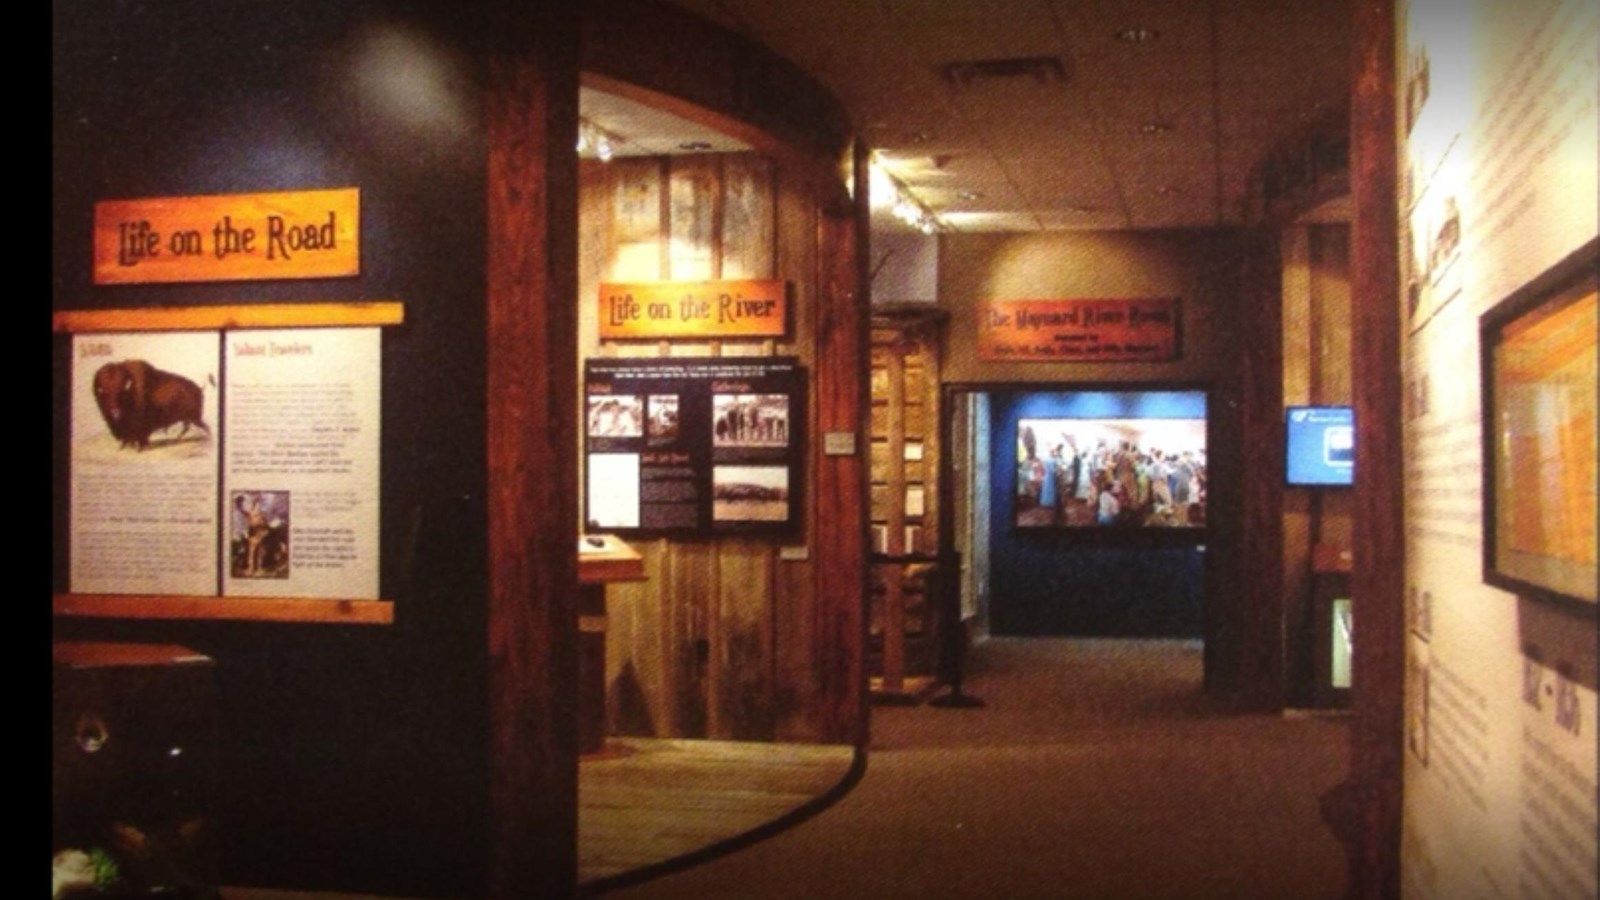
1080,510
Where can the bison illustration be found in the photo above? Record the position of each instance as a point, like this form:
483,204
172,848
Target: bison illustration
138,399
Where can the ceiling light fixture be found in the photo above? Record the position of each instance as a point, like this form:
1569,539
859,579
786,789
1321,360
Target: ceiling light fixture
907,208
1155,127
592,139
970,195
1136,35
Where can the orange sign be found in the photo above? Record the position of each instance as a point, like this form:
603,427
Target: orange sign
232,237
694,309
1081,330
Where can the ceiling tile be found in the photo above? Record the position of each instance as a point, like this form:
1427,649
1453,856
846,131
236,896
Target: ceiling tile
911,12
1232,77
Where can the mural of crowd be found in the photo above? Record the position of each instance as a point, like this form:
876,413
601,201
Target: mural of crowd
1073,473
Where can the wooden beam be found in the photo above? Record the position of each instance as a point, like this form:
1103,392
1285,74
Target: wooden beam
531,125
1259,638
842,404
1377,577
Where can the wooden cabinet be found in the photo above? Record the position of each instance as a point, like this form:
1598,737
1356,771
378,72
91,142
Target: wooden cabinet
904,501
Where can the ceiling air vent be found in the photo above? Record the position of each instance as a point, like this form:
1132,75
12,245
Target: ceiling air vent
1041,69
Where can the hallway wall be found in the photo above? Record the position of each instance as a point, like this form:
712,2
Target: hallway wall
351,757
1499,108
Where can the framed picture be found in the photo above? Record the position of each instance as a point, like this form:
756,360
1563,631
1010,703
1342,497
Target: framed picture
1539,399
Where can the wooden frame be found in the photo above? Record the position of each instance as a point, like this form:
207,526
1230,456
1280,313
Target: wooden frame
1538,369
206,318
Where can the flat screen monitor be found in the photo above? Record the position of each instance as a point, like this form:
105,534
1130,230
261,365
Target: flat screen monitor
1321,446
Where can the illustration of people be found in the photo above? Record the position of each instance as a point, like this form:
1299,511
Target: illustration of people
1086,477
1160,483
1109,507
256,529
1183,478
1049,488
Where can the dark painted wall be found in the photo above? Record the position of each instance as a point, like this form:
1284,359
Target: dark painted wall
352,757
1116,582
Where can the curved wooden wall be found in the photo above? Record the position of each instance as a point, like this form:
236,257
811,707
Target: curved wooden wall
731,637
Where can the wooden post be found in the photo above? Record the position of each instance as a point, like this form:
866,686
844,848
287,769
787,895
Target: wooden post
894,576
1259,639
531,126
842,404
1378,578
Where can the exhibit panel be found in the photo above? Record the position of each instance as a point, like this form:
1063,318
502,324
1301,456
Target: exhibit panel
714,485
1499,147
159,140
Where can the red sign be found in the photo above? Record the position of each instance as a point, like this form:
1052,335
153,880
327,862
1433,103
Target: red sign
1148,330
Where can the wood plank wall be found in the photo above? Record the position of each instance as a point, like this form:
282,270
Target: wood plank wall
719,642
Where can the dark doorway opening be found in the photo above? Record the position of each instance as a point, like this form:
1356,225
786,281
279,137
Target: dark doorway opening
1085,510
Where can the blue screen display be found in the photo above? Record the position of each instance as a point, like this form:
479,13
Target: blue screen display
1321,445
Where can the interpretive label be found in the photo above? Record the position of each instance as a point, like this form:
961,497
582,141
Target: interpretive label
1149,330
693,445
295,510
144,464
300,478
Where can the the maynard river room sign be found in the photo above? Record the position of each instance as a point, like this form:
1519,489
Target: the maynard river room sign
694,309
234,237
1148,330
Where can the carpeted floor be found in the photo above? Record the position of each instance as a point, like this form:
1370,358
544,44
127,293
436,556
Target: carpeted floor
1096,770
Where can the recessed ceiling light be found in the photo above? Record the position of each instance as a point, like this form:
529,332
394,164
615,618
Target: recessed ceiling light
1136,35
693,146
920,137
970,195
1155,127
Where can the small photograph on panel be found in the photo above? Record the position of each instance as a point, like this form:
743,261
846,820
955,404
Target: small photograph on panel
1417,702
618,416
259,525
750,420
662,426
613,491
880,538
750,493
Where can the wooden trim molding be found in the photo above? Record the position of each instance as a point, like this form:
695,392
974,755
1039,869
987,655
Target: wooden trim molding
205,318
238,609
